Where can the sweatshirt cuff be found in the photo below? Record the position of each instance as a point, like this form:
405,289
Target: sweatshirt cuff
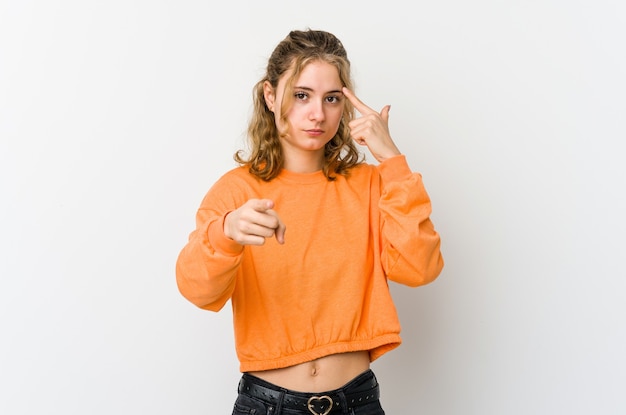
395,169
219,241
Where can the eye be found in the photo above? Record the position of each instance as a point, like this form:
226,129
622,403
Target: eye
333,99
301,95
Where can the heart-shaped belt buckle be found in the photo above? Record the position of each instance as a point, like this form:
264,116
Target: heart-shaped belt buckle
320,402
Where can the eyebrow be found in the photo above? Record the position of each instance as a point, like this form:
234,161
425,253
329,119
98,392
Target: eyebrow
306,88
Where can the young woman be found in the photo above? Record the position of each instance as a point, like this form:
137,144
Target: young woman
304,235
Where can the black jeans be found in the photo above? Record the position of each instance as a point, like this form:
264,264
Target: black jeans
360,396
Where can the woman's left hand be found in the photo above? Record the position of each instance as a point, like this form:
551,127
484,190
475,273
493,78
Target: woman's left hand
372,129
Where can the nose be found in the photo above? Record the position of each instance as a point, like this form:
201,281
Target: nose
316,111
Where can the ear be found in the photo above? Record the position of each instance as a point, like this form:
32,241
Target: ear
269,94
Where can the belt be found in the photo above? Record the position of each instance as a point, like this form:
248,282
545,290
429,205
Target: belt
321,404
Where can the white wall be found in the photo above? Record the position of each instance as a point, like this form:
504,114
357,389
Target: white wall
116,117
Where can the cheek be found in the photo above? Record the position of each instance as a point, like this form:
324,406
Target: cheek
295,115
336,115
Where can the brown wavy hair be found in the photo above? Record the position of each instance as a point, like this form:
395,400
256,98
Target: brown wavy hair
294,52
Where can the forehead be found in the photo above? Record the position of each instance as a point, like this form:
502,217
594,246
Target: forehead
316,75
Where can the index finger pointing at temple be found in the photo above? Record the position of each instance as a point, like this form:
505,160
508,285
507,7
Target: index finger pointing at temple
358,104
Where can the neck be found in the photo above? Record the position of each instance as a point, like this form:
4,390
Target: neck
304,162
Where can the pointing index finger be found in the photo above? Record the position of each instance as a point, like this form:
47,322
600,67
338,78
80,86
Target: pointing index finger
262,205
358,104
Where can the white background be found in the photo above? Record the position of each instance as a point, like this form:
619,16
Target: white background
116,117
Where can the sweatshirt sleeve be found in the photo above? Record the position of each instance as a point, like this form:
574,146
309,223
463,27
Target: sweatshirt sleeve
207,266
410,244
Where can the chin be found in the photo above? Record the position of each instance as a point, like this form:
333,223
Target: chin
316,143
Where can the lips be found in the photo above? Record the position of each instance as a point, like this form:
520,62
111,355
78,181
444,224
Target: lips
314,132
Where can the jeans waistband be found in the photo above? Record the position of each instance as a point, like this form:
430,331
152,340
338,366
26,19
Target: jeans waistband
361,390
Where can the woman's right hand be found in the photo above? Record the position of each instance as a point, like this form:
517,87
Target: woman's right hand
254,221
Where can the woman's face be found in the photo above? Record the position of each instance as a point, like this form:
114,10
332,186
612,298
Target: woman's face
315,112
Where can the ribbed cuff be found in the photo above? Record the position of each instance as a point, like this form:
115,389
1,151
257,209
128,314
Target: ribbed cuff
219,241
395,169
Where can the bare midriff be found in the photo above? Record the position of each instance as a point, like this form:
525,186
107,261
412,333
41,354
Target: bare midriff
320,375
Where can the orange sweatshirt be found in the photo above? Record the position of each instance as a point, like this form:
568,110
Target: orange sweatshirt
325,290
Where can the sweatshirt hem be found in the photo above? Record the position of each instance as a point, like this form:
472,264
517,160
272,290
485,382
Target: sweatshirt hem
376,347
